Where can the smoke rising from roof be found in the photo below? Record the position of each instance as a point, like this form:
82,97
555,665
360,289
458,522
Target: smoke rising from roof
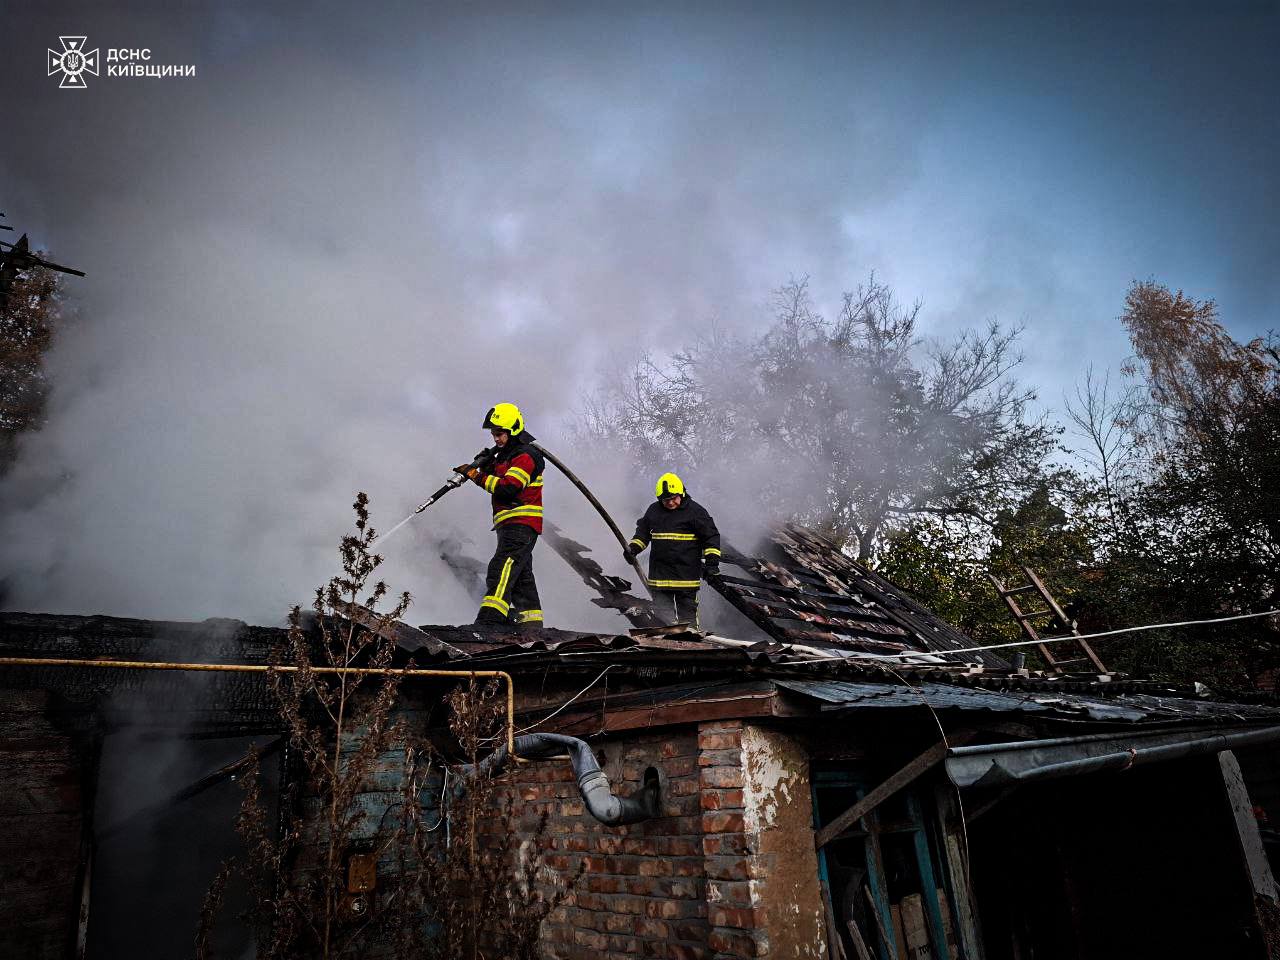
313,266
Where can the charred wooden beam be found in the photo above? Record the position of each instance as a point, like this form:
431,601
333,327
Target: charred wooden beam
612,590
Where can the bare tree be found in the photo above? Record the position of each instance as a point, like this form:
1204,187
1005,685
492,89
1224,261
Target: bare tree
1104,416
442,858
853,424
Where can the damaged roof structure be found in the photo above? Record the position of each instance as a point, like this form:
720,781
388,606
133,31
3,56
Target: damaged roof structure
845,778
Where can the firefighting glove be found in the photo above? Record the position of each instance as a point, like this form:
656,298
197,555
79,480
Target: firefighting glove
468,471
710,567
630,552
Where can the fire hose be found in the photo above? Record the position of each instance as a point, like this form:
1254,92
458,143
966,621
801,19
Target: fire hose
486,457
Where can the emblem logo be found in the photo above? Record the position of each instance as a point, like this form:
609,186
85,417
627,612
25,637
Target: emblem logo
74,61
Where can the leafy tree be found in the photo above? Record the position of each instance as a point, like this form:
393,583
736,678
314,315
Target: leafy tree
853,424
946,564
1188,458
29,317
1202,533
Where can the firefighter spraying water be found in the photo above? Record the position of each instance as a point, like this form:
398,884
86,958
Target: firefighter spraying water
511,472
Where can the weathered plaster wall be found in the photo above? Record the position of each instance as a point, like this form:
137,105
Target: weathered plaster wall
778,822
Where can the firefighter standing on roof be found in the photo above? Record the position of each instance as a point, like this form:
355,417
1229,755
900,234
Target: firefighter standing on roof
514,480
686,545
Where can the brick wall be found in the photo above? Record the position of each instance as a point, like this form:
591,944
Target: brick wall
729,870
42,804
644,890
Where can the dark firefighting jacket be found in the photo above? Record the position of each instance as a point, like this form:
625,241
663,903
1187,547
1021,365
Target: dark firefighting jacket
681,538
514,480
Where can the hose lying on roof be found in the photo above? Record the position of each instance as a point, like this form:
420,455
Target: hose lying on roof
600,800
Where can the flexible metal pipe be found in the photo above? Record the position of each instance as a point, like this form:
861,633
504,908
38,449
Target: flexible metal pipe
597,795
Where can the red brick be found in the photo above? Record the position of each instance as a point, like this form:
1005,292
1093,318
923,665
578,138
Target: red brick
720,741
684,846
689,930
728,868
652,928
682,787
719,726
590,938
655,867
744,918
721,799
728,845
620,923
687,867
679,767
722,777
729,893
731,943
722,823
720,758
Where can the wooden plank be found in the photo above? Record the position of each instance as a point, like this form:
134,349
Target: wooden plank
907,774
877,891
1254,854
835,948
666,715
955,863
813,613
939,933
859,944
818,595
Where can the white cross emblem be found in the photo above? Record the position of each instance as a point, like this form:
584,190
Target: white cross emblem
74,62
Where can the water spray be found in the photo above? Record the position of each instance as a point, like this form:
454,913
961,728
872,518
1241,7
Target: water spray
486,457
481,460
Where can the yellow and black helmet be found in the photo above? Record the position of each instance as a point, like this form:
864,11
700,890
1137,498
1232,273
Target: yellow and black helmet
668,485
504,416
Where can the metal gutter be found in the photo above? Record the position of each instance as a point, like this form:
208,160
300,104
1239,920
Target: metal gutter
1027,761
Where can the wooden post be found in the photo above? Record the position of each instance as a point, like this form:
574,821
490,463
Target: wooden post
1262,882
956,864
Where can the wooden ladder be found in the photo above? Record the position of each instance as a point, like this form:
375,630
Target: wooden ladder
1057,618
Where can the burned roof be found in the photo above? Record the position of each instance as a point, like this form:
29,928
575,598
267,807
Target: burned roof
806,591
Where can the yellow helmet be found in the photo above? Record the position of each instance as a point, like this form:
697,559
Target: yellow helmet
667,485
504,416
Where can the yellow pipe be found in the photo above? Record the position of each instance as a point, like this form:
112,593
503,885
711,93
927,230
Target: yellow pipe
258,668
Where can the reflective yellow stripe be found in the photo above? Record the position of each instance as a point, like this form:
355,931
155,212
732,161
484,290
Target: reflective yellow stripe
490,483
526,511
675,536
496,604
536,483
639,543
711,552
506,575
518,474
676,584
529,616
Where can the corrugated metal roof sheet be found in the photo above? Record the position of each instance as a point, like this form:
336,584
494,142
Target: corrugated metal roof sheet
1133,708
